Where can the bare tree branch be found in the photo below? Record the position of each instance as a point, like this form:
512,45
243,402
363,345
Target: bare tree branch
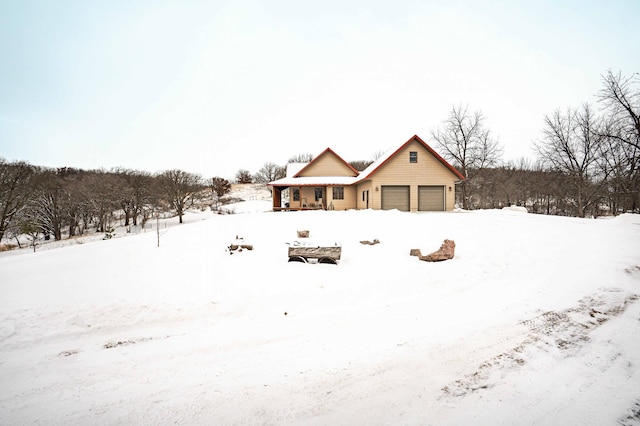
467,144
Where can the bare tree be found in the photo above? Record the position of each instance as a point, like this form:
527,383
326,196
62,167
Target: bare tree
75,201
126,198
180,189
47,206
300,158
620,97
16,187
621,163
548,190
136,194
466,143
377,154
243,176
572,146
219,188
269,172
102,192
360,165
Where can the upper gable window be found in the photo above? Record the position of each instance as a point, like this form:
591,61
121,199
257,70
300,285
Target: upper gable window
413,157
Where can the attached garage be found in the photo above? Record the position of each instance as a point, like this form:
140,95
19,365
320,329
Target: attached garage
431,198
395,197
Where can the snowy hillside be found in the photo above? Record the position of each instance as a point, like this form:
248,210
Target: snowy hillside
536,320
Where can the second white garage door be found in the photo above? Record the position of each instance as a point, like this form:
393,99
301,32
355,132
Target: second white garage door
431,198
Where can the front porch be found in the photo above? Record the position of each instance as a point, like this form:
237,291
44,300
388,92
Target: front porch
295,209
300,198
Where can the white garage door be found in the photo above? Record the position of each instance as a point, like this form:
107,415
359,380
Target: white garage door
395,197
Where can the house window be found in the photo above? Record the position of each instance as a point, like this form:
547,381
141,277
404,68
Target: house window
296,194
318,194
413,157
338,193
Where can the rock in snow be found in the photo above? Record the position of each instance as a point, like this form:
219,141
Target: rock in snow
445,252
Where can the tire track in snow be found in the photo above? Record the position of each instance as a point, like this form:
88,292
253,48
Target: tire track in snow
562,332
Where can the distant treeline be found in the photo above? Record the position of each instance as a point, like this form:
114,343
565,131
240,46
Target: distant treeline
49,202
588,162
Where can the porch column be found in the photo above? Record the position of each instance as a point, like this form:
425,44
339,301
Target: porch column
276,194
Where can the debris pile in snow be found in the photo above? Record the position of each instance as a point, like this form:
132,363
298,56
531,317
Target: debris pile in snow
238,245
370,243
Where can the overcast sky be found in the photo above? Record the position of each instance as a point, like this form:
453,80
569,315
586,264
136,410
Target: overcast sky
214,86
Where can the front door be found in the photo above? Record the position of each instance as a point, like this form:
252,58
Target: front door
319,197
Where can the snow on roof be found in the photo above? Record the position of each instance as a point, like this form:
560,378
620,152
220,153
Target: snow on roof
315,180
294,168
291,180
371,167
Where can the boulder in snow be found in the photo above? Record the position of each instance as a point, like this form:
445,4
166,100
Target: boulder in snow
445,252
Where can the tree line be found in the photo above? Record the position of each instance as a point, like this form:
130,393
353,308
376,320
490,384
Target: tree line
50,203
588,159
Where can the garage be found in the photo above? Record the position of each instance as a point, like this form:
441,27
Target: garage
395,197
431,198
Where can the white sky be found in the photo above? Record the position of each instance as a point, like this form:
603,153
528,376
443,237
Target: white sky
214,86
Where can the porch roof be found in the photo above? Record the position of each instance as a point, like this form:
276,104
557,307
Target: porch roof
315,181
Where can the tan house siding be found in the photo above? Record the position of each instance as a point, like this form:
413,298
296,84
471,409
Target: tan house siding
347,203
292,203
361,192
399,171
327,165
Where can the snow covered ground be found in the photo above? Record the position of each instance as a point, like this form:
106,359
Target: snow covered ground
535,321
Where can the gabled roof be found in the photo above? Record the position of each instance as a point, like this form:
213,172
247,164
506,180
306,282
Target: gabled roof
297,180
376,165
322,154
